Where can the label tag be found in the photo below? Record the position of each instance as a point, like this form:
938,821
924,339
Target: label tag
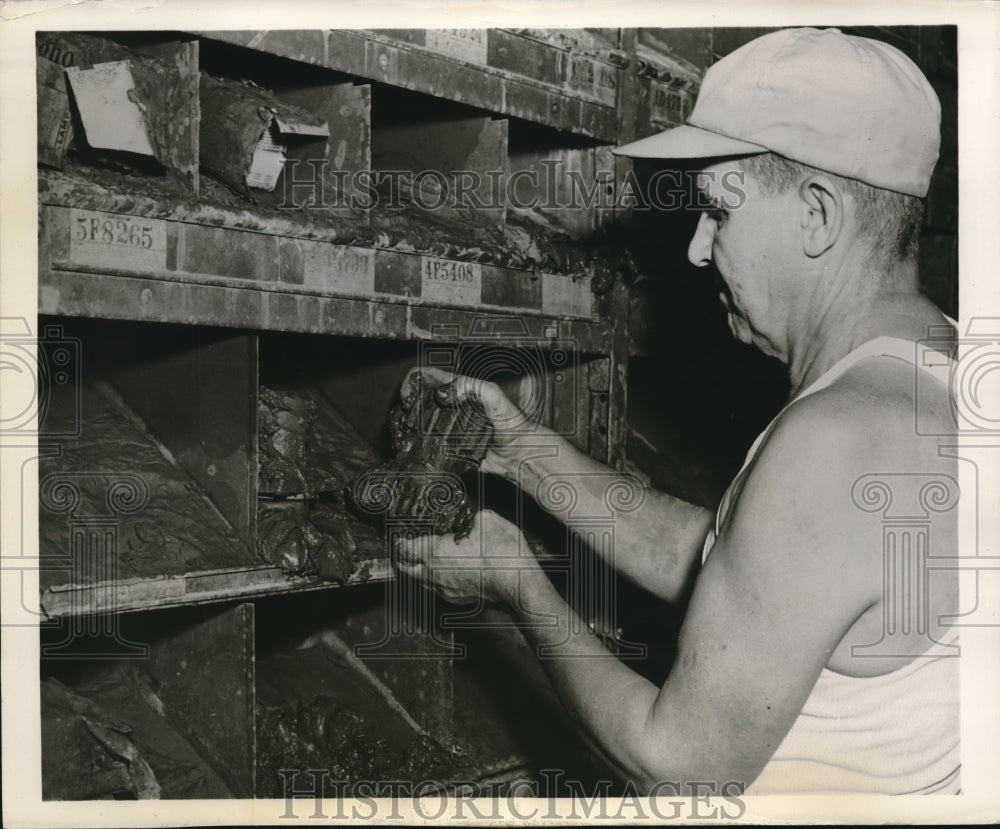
598,80
450,282
606,84
563,296
113,240
465,44
666,104
340,268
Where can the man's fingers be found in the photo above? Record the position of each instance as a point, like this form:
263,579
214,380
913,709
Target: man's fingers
482,399
409,568
412,551
415,376
500,410
453,389
408,562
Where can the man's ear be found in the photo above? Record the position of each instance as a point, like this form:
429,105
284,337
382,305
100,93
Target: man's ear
822,214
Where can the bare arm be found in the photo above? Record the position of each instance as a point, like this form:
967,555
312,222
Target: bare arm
658,538
791,572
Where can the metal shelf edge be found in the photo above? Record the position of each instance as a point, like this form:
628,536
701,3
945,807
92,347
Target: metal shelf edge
415,67
193,588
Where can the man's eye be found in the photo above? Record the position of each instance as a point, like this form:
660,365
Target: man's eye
717,215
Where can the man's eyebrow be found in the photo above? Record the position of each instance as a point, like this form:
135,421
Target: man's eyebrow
714,202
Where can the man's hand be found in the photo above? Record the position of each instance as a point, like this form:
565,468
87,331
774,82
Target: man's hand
508,420
657,546
486,566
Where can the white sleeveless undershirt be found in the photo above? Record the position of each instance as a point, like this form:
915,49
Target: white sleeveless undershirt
892,734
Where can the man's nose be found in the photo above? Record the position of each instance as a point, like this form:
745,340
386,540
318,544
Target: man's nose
700,249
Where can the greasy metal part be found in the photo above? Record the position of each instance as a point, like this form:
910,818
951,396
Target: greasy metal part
204,676
461,71
309,455
305,538
235,116
436,440
308,447
197,395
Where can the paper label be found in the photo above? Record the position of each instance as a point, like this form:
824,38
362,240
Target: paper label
113,240
464,44
450,282
111,118
593,78
340,268
565,296
666,105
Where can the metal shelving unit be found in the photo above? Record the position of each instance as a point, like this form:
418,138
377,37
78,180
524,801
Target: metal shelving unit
188,285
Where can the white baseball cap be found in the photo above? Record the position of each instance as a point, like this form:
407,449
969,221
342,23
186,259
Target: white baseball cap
848,105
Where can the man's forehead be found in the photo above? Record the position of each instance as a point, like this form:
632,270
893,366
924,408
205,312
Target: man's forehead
724,184
712,178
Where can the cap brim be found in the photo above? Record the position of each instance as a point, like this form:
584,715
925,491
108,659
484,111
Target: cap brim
687,142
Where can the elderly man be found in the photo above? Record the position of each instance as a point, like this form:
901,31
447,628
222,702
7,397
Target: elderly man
806,663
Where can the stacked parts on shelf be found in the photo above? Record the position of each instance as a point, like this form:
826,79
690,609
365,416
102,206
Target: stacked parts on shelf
246,133
135,753
114,470
309,456
315,711
436,440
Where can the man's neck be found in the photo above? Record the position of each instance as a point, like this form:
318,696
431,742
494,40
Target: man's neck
852,313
